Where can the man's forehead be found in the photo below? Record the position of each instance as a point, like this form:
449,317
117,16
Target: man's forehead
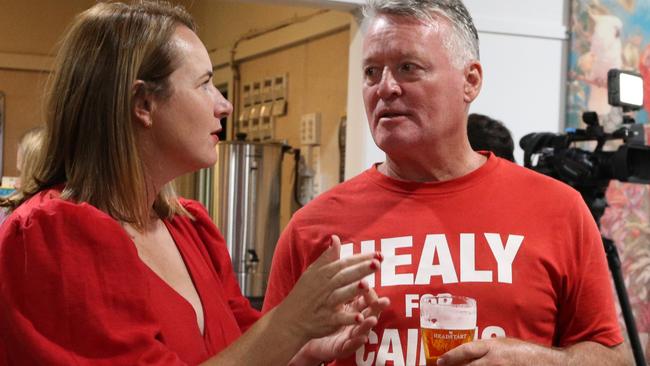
390,32
387,21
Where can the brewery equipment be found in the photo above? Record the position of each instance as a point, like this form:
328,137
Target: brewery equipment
248,208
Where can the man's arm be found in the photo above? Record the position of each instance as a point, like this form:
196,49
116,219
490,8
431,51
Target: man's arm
510,351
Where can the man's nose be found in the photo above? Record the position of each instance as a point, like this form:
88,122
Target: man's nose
388,86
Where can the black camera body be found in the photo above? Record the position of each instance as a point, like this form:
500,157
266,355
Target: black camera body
553,155
589,172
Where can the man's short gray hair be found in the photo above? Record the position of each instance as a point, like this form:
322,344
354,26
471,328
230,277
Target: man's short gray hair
463,45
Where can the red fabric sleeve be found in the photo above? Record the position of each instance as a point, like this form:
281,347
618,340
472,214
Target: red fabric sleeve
215,244
587,311
73,291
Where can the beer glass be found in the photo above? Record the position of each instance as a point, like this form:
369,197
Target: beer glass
446,321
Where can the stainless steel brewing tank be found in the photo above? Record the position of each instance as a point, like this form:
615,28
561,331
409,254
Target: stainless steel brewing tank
248,208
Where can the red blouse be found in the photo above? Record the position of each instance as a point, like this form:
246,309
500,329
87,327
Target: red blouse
73,290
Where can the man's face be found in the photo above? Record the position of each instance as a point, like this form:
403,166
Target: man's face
413,94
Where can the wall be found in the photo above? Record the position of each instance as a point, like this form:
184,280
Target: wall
27,42
317,83
523,45
523,52
23,110
222,22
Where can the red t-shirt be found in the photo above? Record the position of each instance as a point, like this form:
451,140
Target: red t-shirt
73,290
522,244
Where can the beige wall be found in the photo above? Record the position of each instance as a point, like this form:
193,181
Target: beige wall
34,26
317,72
29,31
23,110
222,22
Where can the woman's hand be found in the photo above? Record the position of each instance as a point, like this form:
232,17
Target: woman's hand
315,307
349,338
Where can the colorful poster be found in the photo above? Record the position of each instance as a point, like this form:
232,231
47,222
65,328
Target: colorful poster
608,34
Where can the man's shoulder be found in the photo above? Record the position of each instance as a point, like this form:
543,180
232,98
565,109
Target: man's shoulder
534,185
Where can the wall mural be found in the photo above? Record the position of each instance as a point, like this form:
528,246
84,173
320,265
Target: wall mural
608,34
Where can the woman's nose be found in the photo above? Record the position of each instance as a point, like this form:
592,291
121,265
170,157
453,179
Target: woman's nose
222,107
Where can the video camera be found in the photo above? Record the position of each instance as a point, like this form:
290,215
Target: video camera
589,172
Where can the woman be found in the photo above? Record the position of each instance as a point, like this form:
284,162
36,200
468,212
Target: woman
27,155
102,264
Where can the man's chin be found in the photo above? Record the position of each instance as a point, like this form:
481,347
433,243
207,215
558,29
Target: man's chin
393,144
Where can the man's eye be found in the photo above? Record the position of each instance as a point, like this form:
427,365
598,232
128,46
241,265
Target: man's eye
407,67
370,72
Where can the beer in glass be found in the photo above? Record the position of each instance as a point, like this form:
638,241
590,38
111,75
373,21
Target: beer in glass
446,322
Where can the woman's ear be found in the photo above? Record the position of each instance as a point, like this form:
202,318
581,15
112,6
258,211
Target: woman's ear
142,104
473,81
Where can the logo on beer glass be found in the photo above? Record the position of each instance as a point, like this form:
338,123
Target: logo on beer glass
447,321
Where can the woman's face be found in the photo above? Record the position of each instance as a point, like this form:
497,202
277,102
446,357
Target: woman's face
185,125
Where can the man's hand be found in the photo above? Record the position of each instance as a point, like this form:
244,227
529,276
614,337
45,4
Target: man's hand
509,351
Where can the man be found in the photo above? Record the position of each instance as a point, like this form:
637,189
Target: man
451,220
485,133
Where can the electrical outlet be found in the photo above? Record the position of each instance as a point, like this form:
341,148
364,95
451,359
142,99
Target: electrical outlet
310,129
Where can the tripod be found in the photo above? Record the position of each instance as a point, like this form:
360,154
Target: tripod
595,199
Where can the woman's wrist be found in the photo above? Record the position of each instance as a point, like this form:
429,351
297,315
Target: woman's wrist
305,357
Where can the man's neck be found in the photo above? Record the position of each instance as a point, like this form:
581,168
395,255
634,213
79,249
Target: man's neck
431,169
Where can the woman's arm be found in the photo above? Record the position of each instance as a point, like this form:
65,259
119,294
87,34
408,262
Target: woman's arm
313,309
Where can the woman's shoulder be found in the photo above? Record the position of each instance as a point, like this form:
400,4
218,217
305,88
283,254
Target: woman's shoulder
47,205
193,207
200,217
57,218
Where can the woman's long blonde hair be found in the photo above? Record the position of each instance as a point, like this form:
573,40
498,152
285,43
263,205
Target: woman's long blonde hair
90,141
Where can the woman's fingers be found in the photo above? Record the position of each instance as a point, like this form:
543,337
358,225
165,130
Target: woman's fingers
331,254
343,318
376,305
342,266
364,327
349,282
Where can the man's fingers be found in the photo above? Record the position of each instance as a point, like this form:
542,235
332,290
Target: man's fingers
464,354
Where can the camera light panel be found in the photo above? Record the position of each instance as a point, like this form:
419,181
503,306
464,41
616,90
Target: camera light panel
631,89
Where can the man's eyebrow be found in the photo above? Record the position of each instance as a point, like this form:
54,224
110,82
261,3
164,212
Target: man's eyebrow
367,60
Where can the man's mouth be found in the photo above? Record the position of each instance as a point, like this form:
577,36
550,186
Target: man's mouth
390,114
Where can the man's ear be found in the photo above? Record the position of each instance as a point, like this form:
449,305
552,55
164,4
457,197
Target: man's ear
142,104
473,81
